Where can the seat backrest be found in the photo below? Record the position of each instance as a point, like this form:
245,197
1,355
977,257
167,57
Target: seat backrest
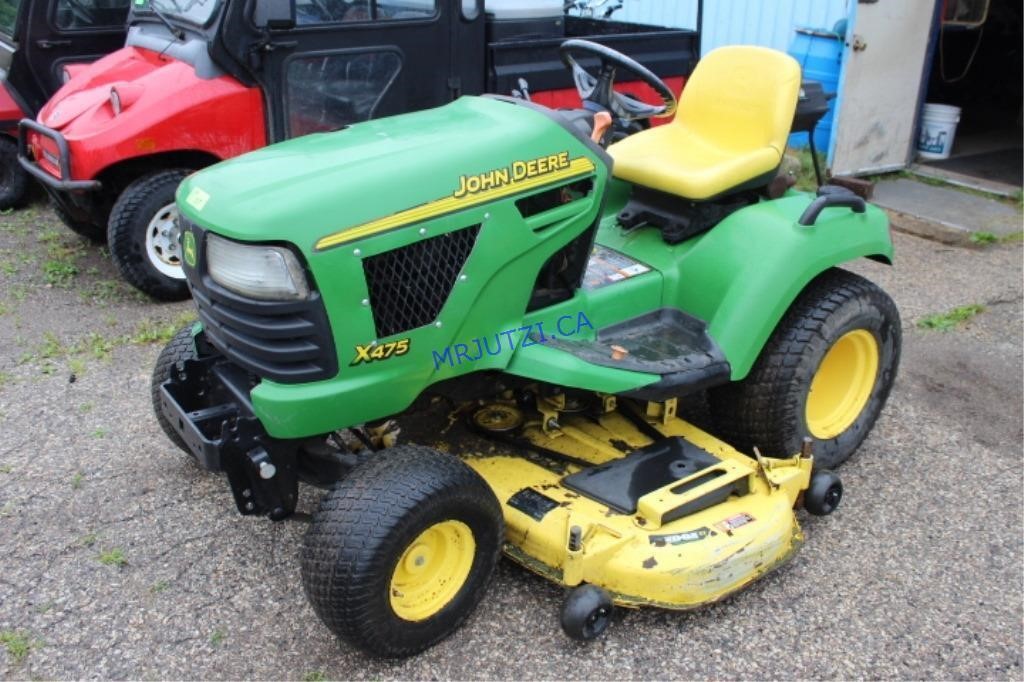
741,98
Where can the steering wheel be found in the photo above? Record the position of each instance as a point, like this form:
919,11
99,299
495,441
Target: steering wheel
598,89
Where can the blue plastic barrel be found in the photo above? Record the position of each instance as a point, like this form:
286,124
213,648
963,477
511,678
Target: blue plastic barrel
820,54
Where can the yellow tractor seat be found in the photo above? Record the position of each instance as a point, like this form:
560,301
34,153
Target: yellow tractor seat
729,131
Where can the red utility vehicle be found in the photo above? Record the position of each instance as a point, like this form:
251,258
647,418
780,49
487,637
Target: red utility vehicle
42,43
199,81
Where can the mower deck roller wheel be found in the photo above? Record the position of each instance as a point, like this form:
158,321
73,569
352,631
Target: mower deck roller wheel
401,551
587,612
825,373
181,347
823,494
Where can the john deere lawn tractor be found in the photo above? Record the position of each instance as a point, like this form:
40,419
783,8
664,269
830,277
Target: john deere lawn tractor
537,303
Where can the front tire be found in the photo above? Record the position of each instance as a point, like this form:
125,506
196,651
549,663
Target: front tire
181,347
826,373
401,551
143,236
14,181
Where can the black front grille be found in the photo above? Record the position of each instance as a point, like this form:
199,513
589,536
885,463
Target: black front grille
409,286
285,341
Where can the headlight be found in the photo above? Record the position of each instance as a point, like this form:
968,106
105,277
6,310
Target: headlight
270,273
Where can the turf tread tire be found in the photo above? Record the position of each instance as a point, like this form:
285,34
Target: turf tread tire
363,526
126,237
767,408
14,180
181,347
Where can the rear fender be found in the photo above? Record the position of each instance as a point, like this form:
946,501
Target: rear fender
744,274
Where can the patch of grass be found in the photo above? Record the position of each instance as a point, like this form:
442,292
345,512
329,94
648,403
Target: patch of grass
314,676
48,368
154,331
100,346
951,319
9,268
77,366
983,238
51,348
17,643
59,273
217,637
1018,198
159,586
76,480
113,557
99,432
6,468
85,408
986,238
89,540
49,236
5,379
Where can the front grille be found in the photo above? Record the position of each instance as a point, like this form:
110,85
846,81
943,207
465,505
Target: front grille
409,286
285,341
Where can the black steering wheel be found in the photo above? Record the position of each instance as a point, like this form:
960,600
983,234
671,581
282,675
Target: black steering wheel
598,89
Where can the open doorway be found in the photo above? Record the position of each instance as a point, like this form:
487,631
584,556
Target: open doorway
978,66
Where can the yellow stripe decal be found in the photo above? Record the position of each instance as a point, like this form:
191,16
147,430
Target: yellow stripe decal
450,204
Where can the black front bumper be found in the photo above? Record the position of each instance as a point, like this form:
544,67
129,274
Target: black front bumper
207,402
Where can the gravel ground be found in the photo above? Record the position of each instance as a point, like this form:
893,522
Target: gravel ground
121,560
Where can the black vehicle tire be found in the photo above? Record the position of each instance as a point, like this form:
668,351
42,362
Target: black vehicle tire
363,555
14,181
181,347
824,493
587,612
91,231
142,236
839,315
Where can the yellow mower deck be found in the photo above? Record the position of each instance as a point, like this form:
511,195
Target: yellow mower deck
649,557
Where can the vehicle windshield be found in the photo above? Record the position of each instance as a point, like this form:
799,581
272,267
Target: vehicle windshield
8,15
196,12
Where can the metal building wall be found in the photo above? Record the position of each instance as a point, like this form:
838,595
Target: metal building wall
738,22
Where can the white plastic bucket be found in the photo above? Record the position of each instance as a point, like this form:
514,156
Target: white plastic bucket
938,128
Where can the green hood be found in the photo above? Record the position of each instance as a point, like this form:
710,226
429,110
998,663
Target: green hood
319,185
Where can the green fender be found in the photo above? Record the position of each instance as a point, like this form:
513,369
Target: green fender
742,275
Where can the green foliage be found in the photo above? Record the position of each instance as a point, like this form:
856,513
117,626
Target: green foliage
952,319
113,557
983,238
17,643
59,273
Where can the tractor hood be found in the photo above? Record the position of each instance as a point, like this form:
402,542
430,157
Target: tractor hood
323,190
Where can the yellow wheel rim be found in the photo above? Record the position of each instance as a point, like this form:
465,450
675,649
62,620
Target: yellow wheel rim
432,570
842,385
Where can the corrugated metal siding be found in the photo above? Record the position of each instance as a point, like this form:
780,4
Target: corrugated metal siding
738,22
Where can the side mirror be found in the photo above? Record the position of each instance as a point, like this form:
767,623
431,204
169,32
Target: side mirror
274,15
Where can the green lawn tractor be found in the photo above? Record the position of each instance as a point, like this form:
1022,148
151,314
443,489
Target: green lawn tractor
473,327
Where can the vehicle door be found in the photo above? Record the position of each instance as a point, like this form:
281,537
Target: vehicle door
349,61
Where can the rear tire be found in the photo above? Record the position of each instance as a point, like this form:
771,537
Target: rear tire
402,550
14,180
143,236
181,347
773,408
